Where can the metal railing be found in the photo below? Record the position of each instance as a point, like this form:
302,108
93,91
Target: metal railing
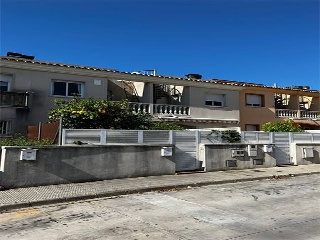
13,99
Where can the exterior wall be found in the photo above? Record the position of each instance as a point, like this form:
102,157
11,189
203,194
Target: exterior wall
18,117
200,110
315,104
146,90
297,153
257,115
40,84
293,102
214,157
57,165
115,92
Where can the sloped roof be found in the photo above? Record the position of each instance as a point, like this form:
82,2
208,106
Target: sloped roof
98,69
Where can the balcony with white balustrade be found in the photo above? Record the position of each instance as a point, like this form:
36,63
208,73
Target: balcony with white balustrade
297,114
160,109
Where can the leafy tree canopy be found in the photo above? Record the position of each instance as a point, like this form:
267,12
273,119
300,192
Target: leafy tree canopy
102,114
286,126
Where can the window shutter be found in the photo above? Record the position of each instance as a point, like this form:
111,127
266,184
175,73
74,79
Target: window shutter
254,100
216,100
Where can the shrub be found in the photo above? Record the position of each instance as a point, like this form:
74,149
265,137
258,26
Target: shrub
23,141
286,126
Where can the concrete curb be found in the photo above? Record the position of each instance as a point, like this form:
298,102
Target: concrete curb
117,193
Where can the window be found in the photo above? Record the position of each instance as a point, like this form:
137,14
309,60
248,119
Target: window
4,127
254,100
67,89
252,127
4,86
215,100
5,82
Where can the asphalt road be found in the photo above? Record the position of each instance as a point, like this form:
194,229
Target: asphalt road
268,209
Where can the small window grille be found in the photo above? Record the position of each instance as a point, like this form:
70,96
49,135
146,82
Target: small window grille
5,127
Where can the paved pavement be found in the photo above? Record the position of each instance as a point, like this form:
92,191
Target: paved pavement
34,196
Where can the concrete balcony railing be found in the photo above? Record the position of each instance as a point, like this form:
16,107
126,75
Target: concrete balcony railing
14,99
139,107
298,114
171,109
159,108
310,114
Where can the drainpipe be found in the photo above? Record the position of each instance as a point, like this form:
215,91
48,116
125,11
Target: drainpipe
39,130
60,131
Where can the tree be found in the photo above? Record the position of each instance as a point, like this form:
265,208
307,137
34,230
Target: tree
98,114
286,126
102,114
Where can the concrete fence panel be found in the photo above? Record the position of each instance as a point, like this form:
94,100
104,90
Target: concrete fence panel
69,164
305,153
235,156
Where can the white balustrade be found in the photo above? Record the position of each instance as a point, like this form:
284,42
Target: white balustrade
310,114
171,109
139,107
288,113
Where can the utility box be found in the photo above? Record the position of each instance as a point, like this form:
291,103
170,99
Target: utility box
308,153
252,150
237,153
267,148
28,154
166,151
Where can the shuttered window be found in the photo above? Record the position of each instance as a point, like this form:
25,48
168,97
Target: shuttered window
254,100
215,100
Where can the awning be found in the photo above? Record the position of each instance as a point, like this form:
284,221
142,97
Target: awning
307,122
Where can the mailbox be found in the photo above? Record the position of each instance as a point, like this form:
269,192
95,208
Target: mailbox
308,153
267,148
252,150
28,154
166,152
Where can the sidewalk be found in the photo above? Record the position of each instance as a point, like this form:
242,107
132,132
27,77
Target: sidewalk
34,196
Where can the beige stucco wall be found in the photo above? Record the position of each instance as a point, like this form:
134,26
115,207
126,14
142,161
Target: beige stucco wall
315,104
256,115
40,84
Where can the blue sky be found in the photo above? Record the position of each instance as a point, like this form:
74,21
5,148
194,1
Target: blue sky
261,41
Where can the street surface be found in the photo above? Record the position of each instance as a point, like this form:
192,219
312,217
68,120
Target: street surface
287,208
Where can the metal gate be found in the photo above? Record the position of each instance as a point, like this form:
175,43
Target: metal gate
186,145
282,148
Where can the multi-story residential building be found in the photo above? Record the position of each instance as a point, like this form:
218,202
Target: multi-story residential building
260,104
29,87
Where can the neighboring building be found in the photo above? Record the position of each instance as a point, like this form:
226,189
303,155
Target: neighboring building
260,104
29,88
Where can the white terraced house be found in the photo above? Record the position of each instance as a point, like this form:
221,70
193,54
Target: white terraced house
29,87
